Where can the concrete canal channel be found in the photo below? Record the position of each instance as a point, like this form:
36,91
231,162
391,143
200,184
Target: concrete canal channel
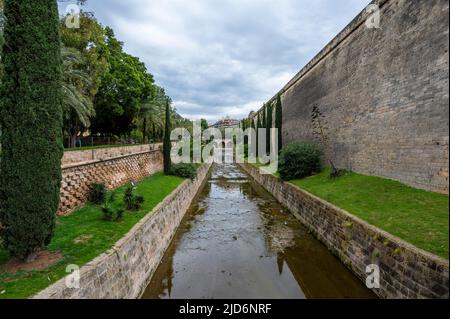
237,241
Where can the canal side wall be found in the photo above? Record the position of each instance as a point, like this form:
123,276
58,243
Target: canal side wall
113,172
124,271
405,270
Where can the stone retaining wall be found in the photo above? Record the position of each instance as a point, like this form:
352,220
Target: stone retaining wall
114,172
405,270
82,156
125,270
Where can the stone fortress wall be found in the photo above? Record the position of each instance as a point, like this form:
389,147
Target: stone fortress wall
384,94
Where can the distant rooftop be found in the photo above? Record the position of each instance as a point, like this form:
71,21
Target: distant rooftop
226,122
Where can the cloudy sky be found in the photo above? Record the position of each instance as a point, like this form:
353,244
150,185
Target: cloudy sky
224,57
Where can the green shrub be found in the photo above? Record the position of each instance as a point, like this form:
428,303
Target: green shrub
108,212
119,215
132,202
185,170
298,160
97,193
106,208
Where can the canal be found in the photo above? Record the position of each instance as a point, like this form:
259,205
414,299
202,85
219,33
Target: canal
237,241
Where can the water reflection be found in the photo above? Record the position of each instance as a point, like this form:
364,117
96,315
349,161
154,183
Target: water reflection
236,241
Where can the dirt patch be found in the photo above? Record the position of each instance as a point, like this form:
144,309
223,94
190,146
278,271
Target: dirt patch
44,259
82,239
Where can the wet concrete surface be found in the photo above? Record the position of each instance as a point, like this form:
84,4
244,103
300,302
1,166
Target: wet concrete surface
237,241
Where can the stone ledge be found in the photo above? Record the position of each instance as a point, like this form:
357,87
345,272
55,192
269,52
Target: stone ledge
102,160
124,271
113,172
405,270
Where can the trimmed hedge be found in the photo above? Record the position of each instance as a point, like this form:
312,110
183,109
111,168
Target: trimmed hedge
298,160
31,121
185,170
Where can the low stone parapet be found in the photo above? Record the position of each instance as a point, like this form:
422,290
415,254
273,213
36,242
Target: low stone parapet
125,270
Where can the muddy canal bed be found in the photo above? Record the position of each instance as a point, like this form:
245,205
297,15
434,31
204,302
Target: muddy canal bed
237,241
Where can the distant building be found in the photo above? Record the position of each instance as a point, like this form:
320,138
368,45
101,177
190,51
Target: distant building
226,122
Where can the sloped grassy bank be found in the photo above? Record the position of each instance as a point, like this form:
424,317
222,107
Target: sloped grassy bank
83,235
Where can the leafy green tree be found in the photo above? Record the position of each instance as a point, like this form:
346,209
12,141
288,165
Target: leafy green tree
83,56
167,145
279,121
123,89
89,40
77,105
151,112
31,120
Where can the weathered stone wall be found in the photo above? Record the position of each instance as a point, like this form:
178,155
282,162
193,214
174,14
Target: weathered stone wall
126,269
82,156
114,172
384,93
405,271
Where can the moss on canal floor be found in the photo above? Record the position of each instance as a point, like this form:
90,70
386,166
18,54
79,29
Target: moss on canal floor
82,236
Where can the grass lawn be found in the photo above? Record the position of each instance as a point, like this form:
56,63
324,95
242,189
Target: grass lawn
83,235
419,217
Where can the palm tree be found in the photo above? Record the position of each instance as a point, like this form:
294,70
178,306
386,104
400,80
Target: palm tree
78,106
152,112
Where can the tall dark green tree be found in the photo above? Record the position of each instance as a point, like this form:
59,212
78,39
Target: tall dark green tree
167,145
269,124
258,126
124,88
31,121
279,121
204,124
264,122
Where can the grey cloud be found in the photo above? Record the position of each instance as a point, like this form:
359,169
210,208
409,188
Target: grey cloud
217,57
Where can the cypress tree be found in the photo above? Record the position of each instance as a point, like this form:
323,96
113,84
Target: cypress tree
264,122
167,143
279,121
258,126
31,121
268,126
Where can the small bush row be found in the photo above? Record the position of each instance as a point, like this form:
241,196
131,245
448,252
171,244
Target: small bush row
98,196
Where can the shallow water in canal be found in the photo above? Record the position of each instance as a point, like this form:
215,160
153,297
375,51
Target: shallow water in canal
237,241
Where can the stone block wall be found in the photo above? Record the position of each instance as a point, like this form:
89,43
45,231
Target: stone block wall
405,270
82,156
384,93
114,172
126,269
